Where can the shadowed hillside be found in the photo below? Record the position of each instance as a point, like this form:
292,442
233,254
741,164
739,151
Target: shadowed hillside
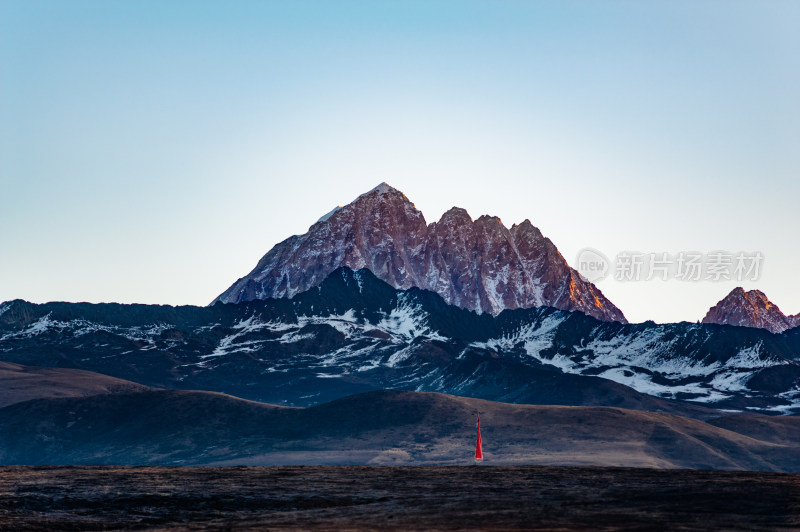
388,427
22,383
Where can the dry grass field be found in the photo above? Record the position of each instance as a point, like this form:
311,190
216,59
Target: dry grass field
396,498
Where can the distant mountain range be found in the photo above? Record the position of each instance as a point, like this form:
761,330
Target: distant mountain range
324,347
478,264
354,333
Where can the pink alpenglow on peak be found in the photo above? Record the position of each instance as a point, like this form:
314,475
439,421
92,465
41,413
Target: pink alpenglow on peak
750,309
479,264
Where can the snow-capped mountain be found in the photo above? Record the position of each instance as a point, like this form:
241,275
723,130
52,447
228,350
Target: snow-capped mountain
750,309
354,333
478,264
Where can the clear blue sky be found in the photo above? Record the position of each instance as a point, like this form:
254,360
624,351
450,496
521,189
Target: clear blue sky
153,151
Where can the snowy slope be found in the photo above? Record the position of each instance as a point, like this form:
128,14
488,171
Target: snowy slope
354,333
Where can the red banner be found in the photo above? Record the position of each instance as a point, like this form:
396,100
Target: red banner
479,445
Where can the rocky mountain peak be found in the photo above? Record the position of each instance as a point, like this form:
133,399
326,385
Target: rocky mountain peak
383,193
489,220
480,265
749,309
526,231
383,196
456,215
385,188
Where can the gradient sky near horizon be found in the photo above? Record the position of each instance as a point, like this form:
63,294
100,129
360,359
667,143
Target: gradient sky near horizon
153,151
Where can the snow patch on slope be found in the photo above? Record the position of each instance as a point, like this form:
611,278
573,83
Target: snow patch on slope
535,338
228,344
407,321
347,323
326,217
642,382
648,349
750,358
399,356
645,360
41,325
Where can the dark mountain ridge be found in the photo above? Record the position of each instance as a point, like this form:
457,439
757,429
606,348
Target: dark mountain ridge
354,333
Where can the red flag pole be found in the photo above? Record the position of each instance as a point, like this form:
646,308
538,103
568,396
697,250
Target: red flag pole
479,444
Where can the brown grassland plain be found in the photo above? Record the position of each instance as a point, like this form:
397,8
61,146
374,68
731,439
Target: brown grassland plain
395,498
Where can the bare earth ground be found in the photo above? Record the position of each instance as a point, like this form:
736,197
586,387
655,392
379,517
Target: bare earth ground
401,498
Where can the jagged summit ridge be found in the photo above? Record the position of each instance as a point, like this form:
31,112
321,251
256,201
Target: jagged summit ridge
477,264
750,309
